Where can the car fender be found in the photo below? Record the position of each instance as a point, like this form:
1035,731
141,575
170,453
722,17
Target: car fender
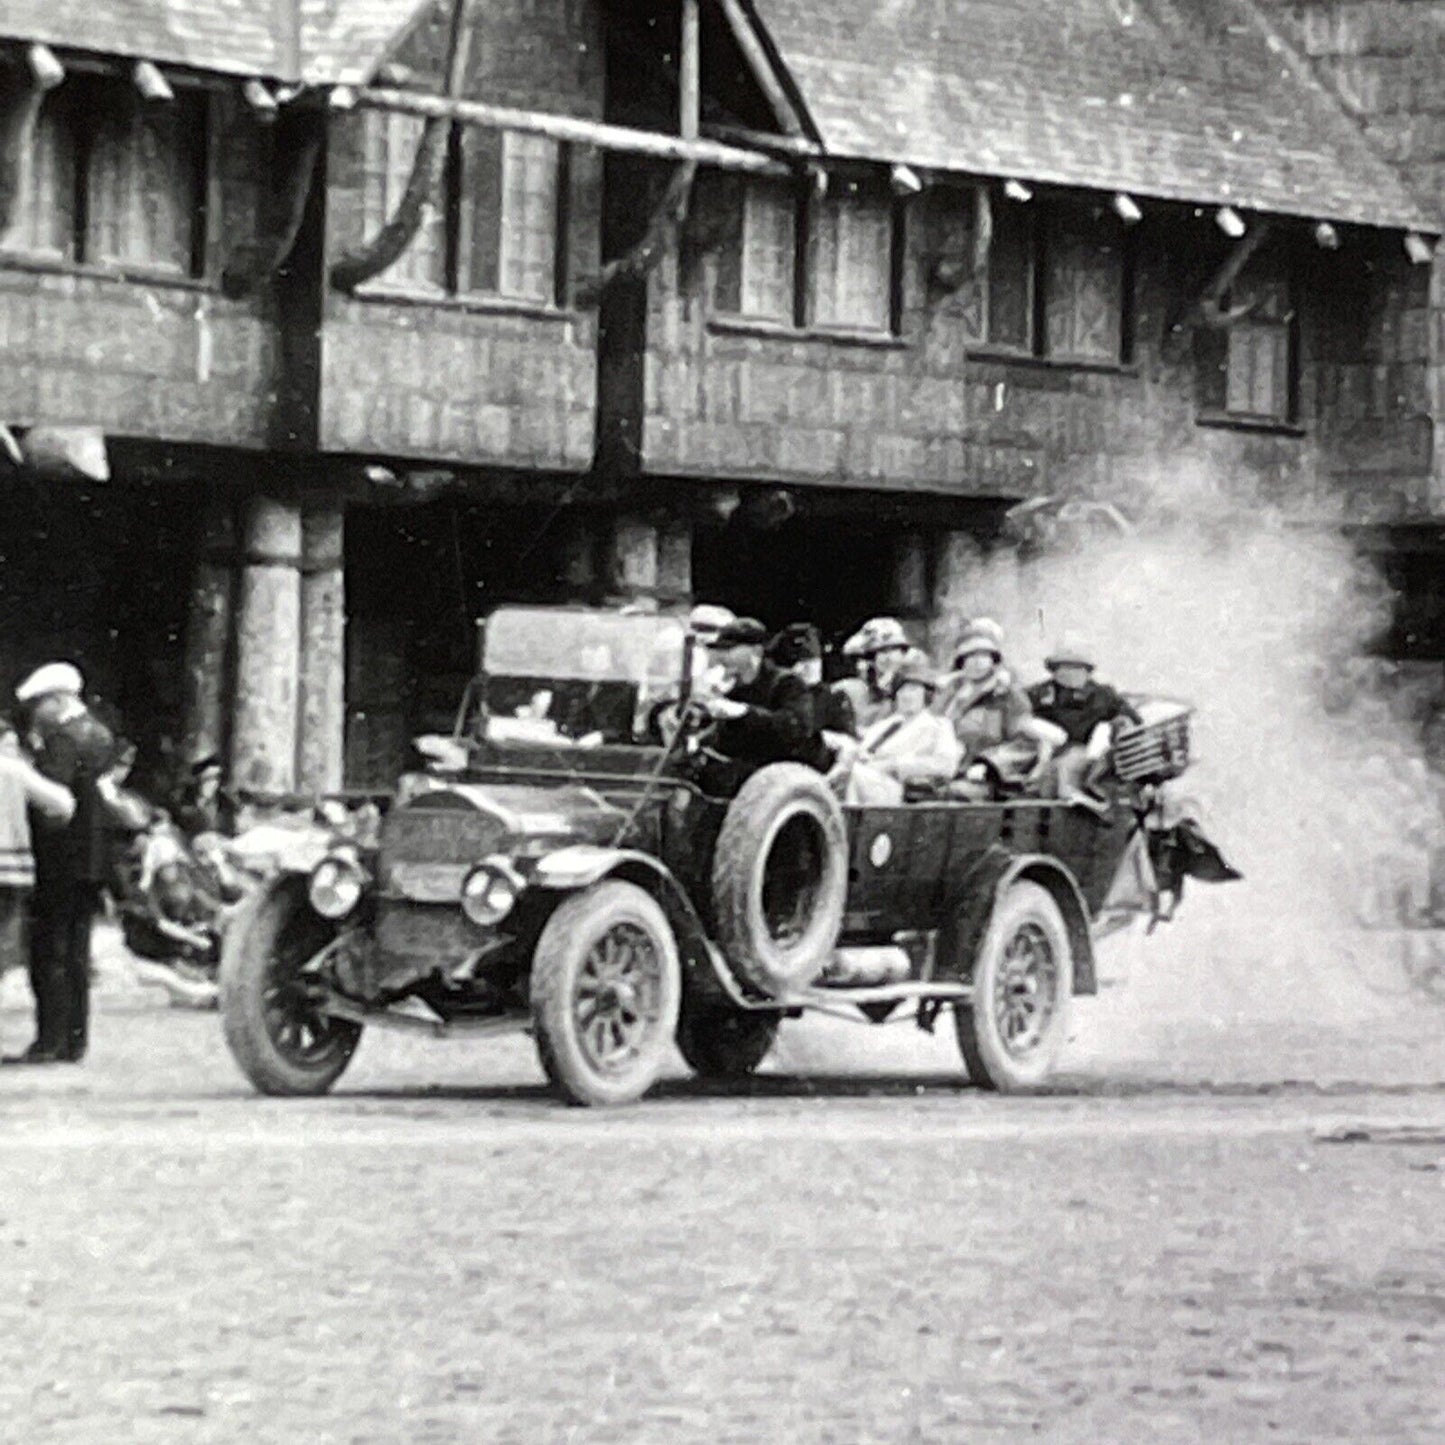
571,869
986,884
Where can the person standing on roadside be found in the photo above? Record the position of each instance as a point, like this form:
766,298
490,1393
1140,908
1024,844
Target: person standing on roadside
72,748
21,789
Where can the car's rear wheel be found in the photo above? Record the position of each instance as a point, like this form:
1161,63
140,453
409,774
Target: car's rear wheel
722,1042
780,878
270,1001
1023,981
606,993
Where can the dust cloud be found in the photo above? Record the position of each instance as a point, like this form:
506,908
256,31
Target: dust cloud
1311,780
1312,783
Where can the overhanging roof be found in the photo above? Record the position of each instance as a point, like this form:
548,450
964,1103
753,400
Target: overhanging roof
1187,100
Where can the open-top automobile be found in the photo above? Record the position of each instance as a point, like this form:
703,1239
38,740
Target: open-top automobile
561,866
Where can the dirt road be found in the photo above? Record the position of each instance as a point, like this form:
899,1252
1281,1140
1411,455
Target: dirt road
858,1248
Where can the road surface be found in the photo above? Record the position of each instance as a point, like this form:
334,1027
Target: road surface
1218,1229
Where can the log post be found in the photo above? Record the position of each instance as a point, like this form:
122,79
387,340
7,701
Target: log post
321,720
689,83
268,649
208,631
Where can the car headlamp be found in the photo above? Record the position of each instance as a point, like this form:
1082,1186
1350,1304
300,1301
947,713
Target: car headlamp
490,892
337,883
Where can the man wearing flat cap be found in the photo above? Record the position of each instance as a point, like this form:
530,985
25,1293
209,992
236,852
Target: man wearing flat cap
764,714
73,748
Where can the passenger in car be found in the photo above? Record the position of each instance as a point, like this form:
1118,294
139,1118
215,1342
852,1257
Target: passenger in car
885,644
1084,708
853,685
764,715
1005,748
798,649
912,746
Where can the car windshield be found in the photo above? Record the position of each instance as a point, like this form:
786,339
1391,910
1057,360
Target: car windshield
568,677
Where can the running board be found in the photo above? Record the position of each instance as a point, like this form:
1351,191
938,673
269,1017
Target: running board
941,989
431,1025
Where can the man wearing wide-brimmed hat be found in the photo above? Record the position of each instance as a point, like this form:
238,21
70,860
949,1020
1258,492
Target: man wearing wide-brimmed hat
72,748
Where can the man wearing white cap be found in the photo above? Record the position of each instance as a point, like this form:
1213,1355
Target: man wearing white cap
72,748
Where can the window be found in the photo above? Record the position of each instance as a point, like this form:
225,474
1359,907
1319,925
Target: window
851,237
508,242
796,259
389,147
115,180
1247,370
1057,285
494,232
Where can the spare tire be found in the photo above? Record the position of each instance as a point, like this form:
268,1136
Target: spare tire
780,878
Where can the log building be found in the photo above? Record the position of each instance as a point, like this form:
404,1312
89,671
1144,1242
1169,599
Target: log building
327,327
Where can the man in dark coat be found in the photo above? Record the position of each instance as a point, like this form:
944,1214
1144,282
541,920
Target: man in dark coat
73,748
764,715
798,649
1073,699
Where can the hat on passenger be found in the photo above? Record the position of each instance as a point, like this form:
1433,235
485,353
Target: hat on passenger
741,632
855,646
1070,651
917,669
980,639
797,642
707,619
881,633
54,677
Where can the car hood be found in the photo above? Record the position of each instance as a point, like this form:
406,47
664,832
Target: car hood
523,812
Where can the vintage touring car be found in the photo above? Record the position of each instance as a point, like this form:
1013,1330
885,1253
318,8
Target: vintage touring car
560,868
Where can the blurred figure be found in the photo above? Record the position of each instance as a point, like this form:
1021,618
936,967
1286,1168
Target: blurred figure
1084,708
206,806
22,788
853,685
74,749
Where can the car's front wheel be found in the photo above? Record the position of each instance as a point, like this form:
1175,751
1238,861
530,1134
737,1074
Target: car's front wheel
606,993
271,1002
1023,982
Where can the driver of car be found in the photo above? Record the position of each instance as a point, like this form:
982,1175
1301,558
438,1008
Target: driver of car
763,714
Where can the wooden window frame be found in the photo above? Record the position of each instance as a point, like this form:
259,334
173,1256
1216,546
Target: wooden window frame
803,320
1214,409
454,286
80,121
1039,219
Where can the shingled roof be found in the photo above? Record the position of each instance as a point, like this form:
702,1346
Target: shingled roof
1189,100
320,41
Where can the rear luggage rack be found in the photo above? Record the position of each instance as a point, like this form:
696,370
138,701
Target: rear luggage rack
1155,751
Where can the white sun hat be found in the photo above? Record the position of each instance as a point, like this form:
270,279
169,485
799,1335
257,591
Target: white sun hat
61,677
